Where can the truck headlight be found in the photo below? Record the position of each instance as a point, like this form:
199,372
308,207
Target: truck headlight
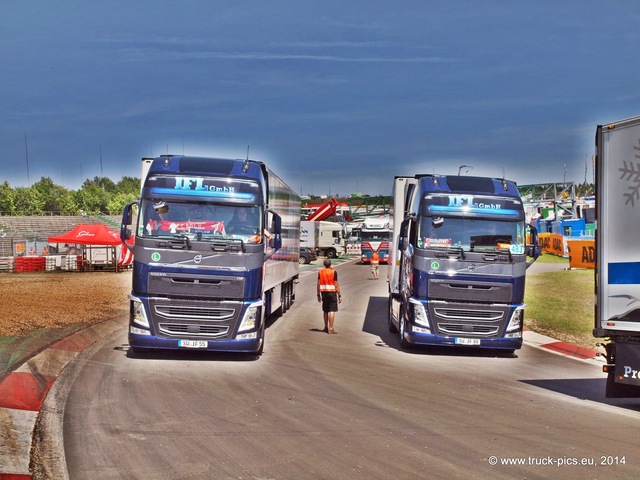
137,312
420,316
251,317
514,329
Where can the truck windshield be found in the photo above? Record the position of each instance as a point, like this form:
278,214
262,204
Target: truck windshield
375,235
199,220
471,235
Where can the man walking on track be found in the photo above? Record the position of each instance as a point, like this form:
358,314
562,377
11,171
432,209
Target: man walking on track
329,295
375,262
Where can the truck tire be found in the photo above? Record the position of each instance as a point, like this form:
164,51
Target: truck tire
284,306
392,327
261,349
331,253
403,323
267,306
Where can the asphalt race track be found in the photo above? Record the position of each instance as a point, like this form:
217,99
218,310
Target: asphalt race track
351,405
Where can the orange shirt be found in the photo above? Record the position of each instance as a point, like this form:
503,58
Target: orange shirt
326,279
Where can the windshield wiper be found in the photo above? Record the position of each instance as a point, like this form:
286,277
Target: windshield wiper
500,254
177,241
451,249
228,244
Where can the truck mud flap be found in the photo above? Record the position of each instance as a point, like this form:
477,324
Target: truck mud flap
620,390
624,381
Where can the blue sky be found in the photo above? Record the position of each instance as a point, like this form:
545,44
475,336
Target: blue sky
335,96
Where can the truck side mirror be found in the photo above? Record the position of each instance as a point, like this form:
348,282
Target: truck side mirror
533,248
403,240
127,215
127,220
275,232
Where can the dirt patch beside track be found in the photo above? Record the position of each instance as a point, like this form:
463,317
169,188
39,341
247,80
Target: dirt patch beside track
59,300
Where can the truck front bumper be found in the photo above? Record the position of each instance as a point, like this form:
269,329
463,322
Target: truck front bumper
428,339
142,341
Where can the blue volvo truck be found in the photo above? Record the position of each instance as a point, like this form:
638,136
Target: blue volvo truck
458,262
216,248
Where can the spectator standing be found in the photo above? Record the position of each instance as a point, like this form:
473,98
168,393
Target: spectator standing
375,264
329,295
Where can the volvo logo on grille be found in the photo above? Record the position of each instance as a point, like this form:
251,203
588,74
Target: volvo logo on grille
471,267
197,259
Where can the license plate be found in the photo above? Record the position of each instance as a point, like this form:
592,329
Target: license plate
467,341
192,343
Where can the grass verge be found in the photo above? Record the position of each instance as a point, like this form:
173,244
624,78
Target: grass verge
561,304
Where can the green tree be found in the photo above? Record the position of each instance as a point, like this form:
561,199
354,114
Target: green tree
28,201
117,202
7,195
129,185
103,183
91,199
56,198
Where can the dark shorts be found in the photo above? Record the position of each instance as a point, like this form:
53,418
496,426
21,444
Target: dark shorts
329,302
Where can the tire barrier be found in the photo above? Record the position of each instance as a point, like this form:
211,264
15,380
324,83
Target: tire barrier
27,264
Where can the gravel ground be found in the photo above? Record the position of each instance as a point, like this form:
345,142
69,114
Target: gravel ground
60,300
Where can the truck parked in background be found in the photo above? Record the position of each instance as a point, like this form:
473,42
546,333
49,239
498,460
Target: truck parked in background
327,239
375,233
617,273
458,262
215,254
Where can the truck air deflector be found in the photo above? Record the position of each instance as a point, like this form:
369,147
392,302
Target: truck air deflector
207,193
467,205
208,166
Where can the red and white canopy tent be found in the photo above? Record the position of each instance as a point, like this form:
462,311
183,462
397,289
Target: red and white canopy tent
88,234
95,235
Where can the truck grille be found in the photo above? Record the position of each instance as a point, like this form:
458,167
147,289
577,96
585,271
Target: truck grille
200,331
482,315
468,320
462,329
469,291
201,313
197,286
194,319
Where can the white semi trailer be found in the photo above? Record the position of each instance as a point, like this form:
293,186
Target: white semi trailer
617,315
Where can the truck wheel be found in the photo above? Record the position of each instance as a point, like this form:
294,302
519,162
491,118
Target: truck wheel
392,327
283,298
331,253
289,294
261,349
267,306
403,342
